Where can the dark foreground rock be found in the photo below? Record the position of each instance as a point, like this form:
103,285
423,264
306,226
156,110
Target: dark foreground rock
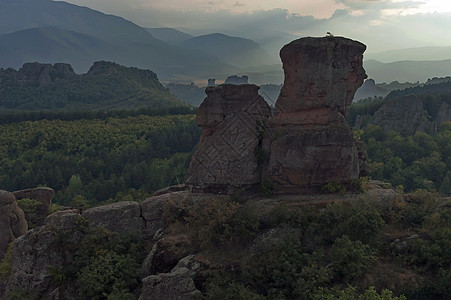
12,221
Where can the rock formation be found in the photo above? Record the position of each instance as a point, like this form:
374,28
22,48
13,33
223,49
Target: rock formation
308,140
232,117
305,144
36,74
406,115
237,80
41,194
12,221
178,284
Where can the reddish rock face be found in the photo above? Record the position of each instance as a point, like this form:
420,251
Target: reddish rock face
320,73
12,221
232,117
308,140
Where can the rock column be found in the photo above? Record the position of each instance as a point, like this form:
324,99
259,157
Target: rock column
308,140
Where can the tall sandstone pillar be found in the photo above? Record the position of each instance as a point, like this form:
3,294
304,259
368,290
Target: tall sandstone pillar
307,140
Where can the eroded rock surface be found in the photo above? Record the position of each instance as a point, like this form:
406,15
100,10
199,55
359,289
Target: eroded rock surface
308,140
405,115
319,73
121,217
178,284
232,117
12,221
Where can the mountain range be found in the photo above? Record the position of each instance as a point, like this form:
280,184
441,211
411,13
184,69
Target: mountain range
49,31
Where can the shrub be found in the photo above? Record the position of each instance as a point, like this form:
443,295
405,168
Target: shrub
350,259
333,187
31,209
266,186
359,185
110,273
5,264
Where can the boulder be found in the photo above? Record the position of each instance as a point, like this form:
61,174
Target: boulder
233,118
41,194
121,217
12,221
32,255
63,219
178,284
153,210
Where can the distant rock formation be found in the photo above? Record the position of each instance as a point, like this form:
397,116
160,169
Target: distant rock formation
369,89
237,80
12,221
37,74
211,82
406,115
233,118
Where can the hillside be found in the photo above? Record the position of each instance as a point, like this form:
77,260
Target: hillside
51,44
106,86
169,35
123,36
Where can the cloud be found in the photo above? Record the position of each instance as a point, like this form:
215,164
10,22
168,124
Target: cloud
380,24
239,4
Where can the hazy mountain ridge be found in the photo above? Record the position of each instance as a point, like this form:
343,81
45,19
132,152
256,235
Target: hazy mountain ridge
417,54
169,35
410,71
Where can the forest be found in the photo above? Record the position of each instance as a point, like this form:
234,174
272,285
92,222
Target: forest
100,159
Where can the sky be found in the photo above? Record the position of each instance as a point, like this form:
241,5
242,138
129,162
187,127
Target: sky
380,24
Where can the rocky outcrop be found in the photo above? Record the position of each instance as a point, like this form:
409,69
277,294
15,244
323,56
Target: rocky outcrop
12,221
320,73
405,115
32,254
153,210
37,74
41,194
308,140
121,217
369,89
233,118
34,74
178,284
